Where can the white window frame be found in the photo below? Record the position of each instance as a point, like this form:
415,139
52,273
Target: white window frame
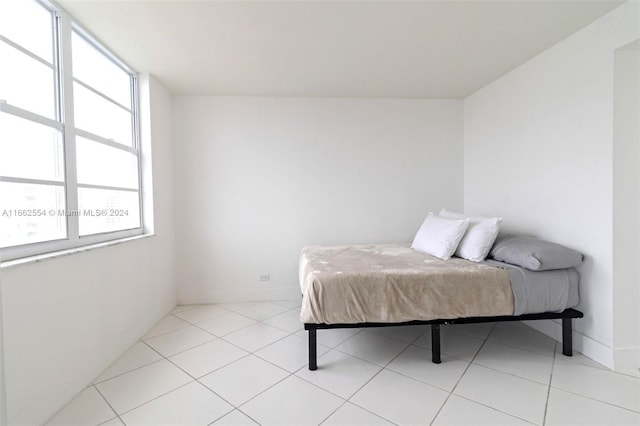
63,26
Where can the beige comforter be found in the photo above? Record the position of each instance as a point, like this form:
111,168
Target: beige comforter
393,283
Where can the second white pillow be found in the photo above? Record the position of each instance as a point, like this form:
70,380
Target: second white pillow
439,236
479,237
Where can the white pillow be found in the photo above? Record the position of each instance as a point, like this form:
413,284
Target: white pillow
479,238
439,236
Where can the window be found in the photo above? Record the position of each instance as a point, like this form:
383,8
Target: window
69,149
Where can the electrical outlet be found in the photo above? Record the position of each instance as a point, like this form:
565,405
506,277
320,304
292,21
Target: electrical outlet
265,277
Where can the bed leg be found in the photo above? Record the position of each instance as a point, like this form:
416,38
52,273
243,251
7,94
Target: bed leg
435,343
313,356
567,338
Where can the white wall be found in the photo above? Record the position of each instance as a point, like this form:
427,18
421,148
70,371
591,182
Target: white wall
67,318
539,151
626,205
259,178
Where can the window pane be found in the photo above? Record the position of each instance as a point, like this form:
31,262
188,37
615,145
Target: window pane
96,70
28,24
25,82
31,213
101,117
107,211
100,164
30,150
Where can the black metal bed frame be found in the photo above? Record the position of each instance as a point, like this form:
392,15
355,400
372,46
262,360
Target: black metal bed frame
567,340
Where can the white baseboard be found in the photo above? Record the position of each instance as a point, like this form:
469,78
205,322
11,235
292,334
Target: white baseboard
590,348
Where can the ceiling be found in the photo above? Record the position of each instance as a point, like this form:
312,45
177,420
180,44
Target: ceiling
404,49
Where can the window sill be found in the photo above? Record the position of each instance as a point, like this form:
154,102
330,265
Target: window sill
53,255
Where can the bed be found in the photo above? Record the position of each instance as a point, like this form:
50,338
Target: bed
391,285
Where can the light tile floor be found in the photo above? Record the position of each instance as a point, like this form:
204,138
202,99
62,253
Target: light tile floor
246,364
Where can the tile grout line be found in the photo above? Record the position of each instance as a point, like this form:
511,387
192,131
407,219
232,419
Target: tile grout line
193,381
246,414
254,353
289,374
529,328
238,347
219,418
458,329
155,398
524,349
462,375
257,349
110,406
333,393
579,364
546,403
128,371
220,337
418,380
250,325
166,332
494,369
234,407
499,371
370,330
600,367
257,356
496,409
269,317
195,324
512,374
229,311
596,400
184,350
348,400
197,379
369,361
306,336
344,401
238,407
427,360
552,357
442,352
